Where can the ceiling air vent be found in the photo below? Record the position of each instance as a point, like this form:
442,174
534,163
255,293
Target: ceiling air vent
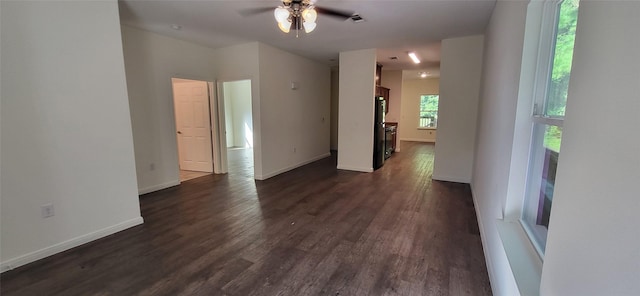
356,18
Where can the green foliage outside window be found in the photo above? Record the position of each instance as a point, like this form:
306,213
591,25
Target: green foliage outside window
562,57
428,110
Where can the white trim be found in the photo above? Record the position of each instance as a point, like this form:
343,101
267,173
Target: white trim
531,232
66,245
523,259
158,187
546,38
219,167
221,127
418,140
278,172
549,120
451,179
530,74
357,169
427,128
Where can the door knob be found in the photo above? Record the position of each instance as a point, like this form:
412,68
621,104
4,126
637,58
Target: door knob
179,132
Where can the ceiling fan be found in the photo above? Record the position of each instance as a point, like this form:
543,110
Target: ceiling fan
300,14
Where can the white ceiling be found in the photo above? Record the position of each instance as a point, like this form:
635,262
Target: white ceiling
393,27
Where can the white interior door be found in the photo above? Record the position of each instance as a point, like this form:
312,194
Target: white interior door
193,121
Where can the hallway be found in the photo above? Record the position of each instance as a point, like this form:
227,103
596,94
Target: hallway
311,231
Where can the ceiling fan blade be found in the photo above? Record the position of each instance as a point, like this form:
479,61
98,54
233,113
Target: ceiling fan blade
341,14
254,11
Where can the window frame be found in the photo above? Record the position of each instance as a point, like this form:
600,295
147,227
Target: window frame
538,121
420,111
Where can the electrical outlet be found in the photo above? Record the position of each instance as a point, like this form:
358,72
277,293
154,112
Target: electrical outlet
47,211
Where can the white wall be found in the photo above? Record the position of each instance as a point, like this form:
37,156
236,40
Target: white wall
66,131
593,245
228,114
460,72
241,62
411,91
357,90
295,122
392,79
496,115
151,60
238,99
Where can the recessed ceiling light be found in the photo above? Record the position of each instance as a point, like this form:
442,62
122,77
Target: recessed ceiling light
176,27
424,74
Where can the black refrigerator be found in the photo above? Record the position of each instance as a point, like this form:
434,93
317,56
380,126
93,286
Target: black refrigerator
378,133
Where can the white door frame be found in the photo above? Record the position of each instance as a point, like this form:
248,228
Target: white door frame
218,129
221,122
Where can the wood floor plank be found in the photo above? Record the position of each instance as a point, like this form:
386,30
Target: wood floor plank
320,275
314,230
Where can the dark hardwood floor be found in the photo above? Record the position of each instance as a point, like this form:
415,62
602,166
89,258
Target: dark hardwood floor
312,231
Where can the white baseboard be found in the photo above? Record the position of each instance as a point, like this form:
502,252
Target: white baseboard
451,179
158,187
483,238
357,169
280,171
418,140
66,245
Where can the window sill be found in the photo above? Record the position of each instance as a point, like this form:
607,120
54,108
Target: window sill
525,263
427,128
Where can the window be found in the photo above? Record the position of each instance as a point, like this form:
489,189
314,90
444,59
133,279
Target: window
428,111
550,99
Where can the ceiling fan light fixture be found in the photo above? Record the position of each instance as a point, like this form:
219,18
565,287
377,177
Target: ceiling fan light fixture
281,14
309,27
414,57
309,15
284,26
296,15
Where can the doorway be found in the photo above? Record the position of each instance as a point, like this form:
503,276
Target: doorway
238,121
193,127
